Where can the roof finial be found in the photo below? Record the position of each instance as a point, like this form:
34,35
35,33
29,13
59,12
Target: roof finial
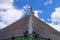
31,12
30,8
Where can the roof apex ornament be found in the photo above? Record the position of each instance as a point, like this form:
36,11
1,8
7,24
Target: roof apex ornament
31,12
30,8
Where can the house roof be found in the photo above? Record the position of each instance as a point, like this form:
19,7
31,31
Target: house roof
20,26
15,29
38,24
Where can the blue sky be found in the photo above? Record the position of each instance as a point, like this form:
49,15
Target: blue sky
39,5
46,10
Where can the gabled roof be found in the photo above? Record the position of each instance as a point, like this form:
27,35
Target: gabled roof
15,29
38,24
20,26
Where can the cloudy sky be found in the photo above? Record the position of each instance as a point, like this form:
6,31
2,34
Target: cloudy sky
46,10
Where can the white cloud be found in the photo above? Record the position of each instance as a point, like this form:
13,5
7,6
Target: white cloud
9,13
26,7
12,15
57,27
55,19
48,2
2,25
6,4
42,19
36,12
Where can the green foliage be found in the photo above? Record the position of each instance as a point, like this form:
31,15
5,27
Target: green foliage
28,38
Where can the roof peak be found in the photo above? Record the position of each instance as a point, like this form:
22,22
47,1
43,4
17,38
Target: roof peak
31,12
